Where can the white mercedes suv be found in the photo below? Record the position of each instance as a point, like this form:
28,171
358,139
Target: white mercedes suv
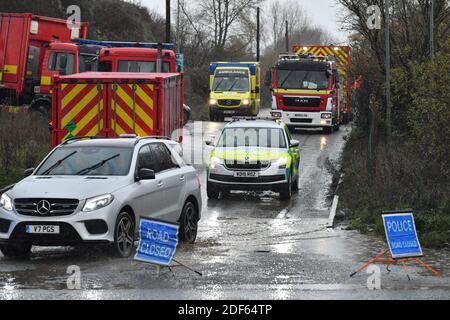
95,190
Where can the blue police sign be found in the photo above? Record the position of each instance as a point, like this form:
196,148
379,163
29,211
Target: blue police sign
401,235
158,241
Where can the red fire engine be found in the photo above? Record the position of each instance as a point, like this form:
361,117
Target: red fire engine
310,88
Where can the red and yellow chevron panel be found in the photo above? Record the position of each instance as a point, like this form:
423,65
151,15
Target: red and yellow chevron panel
82,110
132,109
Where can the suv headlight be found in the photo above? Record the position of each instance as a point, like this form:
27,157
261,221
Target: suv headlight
97,202
6,203
215,162
281,163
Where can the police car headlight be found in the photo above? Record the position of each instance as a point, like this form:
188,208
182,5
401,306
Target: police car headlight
246,102
212,102
6,202
281,163
216,162
98,202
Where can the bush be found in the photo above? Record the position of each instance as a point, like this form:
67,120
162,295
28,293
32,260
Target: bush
24,141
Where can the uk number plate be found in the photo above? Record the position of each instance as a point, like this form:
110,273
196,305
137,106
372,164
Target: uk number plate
43,229
301,115
246,174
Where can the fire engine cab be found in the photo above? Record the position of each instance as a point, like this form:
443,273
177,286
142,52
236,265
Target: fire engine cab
306,92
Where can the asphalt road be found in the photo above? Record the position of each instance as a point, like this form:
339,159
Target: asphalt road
249,246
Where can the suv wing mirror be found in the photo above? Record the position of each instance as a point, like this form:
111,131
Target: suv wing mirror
28,172
145,174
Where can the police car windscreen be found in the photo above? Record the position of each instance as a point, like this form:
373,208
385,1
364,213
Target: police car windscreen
252,137
231,80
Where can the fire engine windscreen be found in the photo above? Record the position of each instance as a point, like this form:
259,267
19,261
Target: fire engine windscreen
141,66
231,80
252,137
302,75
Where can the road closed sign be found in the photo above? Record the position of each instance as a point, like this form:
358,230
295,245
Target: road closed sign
401,235
158,242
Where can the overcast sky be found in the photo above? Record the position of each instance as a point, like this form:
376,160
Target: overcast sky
324,13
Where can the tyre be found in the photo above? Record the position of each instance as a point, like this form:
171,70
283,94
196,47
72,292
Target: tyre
327,130
286,189
211,191
345,118
124,235
15,250
188,223
295,184
212,116
43,108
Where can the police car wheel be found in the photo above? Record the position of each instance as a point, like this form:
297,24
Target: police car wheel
188,223
286,189
295,184
15,250
212,191
124,235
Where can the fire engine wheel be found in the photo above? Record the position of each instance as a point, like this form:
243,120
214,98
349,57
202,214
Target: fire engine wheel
42,108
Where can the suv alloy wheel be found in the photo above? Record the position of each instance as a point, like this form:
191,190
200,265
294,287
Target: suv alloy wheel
124,235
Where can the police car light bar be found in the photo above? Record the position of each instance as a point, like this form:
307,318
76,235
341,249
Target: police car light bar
124,44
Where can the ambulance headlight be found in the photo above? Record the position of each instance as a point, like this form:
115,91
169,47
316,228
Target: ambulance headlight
245,102
212,102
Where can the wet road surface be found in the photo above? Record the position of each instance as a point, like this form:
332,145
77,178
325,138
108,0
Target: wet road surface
249,246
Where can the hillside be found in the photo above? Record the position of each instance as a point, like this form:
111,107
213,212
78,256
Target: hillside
108,19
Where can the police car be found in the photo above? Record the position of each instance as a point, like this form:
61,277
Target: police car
254,154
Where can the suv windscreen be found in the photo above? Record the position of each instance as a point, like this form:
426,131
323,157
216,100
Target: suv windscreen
77,160
252,137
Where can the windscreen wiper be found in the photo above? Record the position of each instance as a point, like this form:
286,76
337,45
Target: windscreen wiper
232,86
96,166
217,86
285,79
57,163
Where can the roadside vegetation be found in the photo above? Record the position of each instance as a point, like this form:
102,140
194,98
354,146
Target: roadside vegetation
24,141
201,35
402,163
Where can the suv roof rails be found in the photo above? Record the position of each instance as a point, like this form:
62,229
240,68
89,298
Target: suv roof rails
81,138
152,137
